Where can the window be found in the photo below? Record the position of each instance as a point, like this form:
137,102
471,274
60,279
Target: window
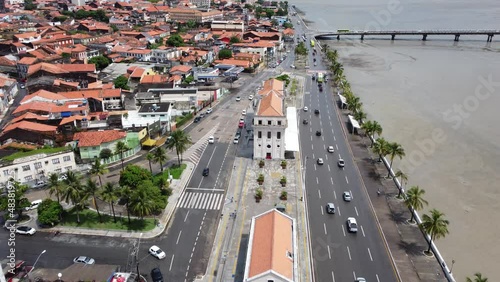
68,168
55,161
269,134
28,178
260,122
26,167
66,158
259,134
58,170
269,122
38,165
279,122
278,135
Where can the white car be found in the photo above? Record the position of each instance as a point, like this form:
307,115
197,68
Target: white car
211,140
238,99
39,184
352,225
157,252
33,205
62,177
236,140
347,196
341,163
360,279
292,66
25,230
244,112
320,161
85,260
250,97
306,109
209,110
330,149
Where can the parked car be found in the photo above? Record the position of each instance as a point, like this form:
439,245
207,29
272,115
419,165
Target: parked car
352,225
209,110
250,97
244,112
34,205
196,119
347,196
360,279
236,140
156,275
292,66
62,177
39,184
238,99
25,230
83,259
157,252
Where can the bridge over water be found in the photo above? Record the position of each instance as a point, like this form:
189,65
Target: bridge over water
393,33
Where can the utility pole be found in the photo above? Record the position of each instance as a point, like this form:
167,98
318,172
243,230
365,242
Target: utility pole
137,259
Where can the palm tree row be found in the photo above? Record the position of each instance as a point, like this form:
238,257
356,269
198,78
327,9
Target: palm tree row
434,224
180,142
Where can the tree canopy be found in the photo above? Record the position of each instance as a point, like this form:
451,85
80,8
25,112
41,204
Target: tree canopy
49,212
225,54
98,15
175,40
100,62
132,175
121,82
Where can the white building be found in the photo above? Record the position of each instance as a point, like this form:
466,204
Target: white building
238,26
30,169
270,122
164,54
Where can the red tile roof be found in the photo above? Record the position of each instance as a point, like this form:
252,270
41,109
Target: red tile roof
96,138
30,126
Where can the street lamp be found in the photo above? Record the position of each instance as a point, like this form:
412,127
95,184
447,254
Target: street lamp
33,267
452,263
137,257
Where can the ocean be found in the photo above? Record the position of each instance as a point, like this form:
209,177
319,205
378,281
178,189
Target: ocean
440,100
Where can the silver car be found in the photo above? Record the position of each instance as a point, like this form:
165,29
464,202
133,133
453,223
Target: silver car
83,259
347,196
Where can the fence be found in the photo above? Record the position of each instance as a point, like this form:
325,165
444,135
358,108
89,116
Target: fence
117,157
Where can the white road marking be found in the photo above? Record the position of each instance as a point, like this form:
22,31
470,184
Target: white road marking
311,138
349,253
324,226
319,193
321,208
343,230
333,277
329,254
335,194
310,129
178,237
312,147
352,197
171,262
338,209
329,168
334,139
370,253
331,180
362,231
313,156
324,146
317,180
315,167
376,275
356,210
186,216
346,180
326,157
323,138
337,148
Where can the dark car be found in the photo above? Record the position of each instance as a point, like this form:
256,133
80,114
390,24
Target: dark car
305,121
318,133
316,112
196,119
320,88
206,171
156,275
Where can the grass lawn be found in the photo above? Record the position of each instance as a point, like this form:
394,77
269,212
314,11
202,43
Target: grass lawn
174,170
89,219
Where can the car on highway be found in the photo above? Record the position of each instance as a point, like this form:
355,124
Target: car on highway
236,140
306,109
211,140
84,260
196,119
318,133
250,97
157,252
244,112
341,163
330,208
347,196
352,225
209,110
360,279
305,121
316,112
25,230
206,171
156,275
238,99
320,161
330,149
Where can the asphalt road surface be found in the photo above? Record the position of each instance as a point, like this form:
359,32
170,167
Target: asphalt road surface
337,254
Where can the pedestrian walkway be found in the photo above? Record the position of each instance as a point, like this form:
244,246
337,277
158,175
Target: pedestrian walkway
196,150
207,200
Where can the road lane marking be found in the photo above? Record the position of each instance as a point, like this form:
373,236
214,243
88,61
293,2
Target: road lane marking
352,197
335,194
349,253
329,168
336,146
317,180
333,277
346,180
376,275
337,149
311,138
323,138
315,167
319,193
329,254
312,147
171,262
313,156
362,231
338,209
321,208
331,180
185,219
334,139
343,230
324,226
356,210
370,253
178,238
324,146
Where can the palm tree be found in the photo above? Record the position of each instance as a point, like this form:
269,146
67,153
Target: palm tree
403,180
73,192
381,148
92,189
140,203
180,141
478,277
55,186
125,192
121,148
435,225
353,103
109,194
395,150
414,200
150,157
359,116
160,157
99,170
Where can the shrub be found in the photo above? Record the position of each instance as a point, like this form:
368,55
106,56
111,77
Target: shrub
49,212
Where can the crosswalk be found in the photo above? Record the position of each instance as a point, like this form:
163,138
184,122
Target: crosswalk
201,200
196,150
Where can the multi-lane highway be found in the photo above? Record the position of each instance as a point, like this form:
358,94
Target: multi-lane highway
337,254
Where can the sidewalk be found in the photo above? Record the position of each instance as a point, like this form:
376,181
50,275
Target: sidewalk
177,186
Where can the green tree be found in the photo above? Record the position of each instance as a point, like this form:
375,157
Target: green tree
121,148
49,212
180,141
93,190
288,25
28,5
175,40
269,13
275,22
125,193
141,202
100,62
133,175
478,277
191,24
73,193
414,200
281,12
359,116
234,39
225,54
114,27
105,154
249,7
403,180
395,150
301,49
160,157
381,148
435,225
121,82
110,195
56,187
98,169
150,157
60,18
18,203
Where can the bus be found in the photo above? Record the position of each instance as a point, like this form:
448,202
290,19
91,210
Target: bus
320,77
342,30
312,43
